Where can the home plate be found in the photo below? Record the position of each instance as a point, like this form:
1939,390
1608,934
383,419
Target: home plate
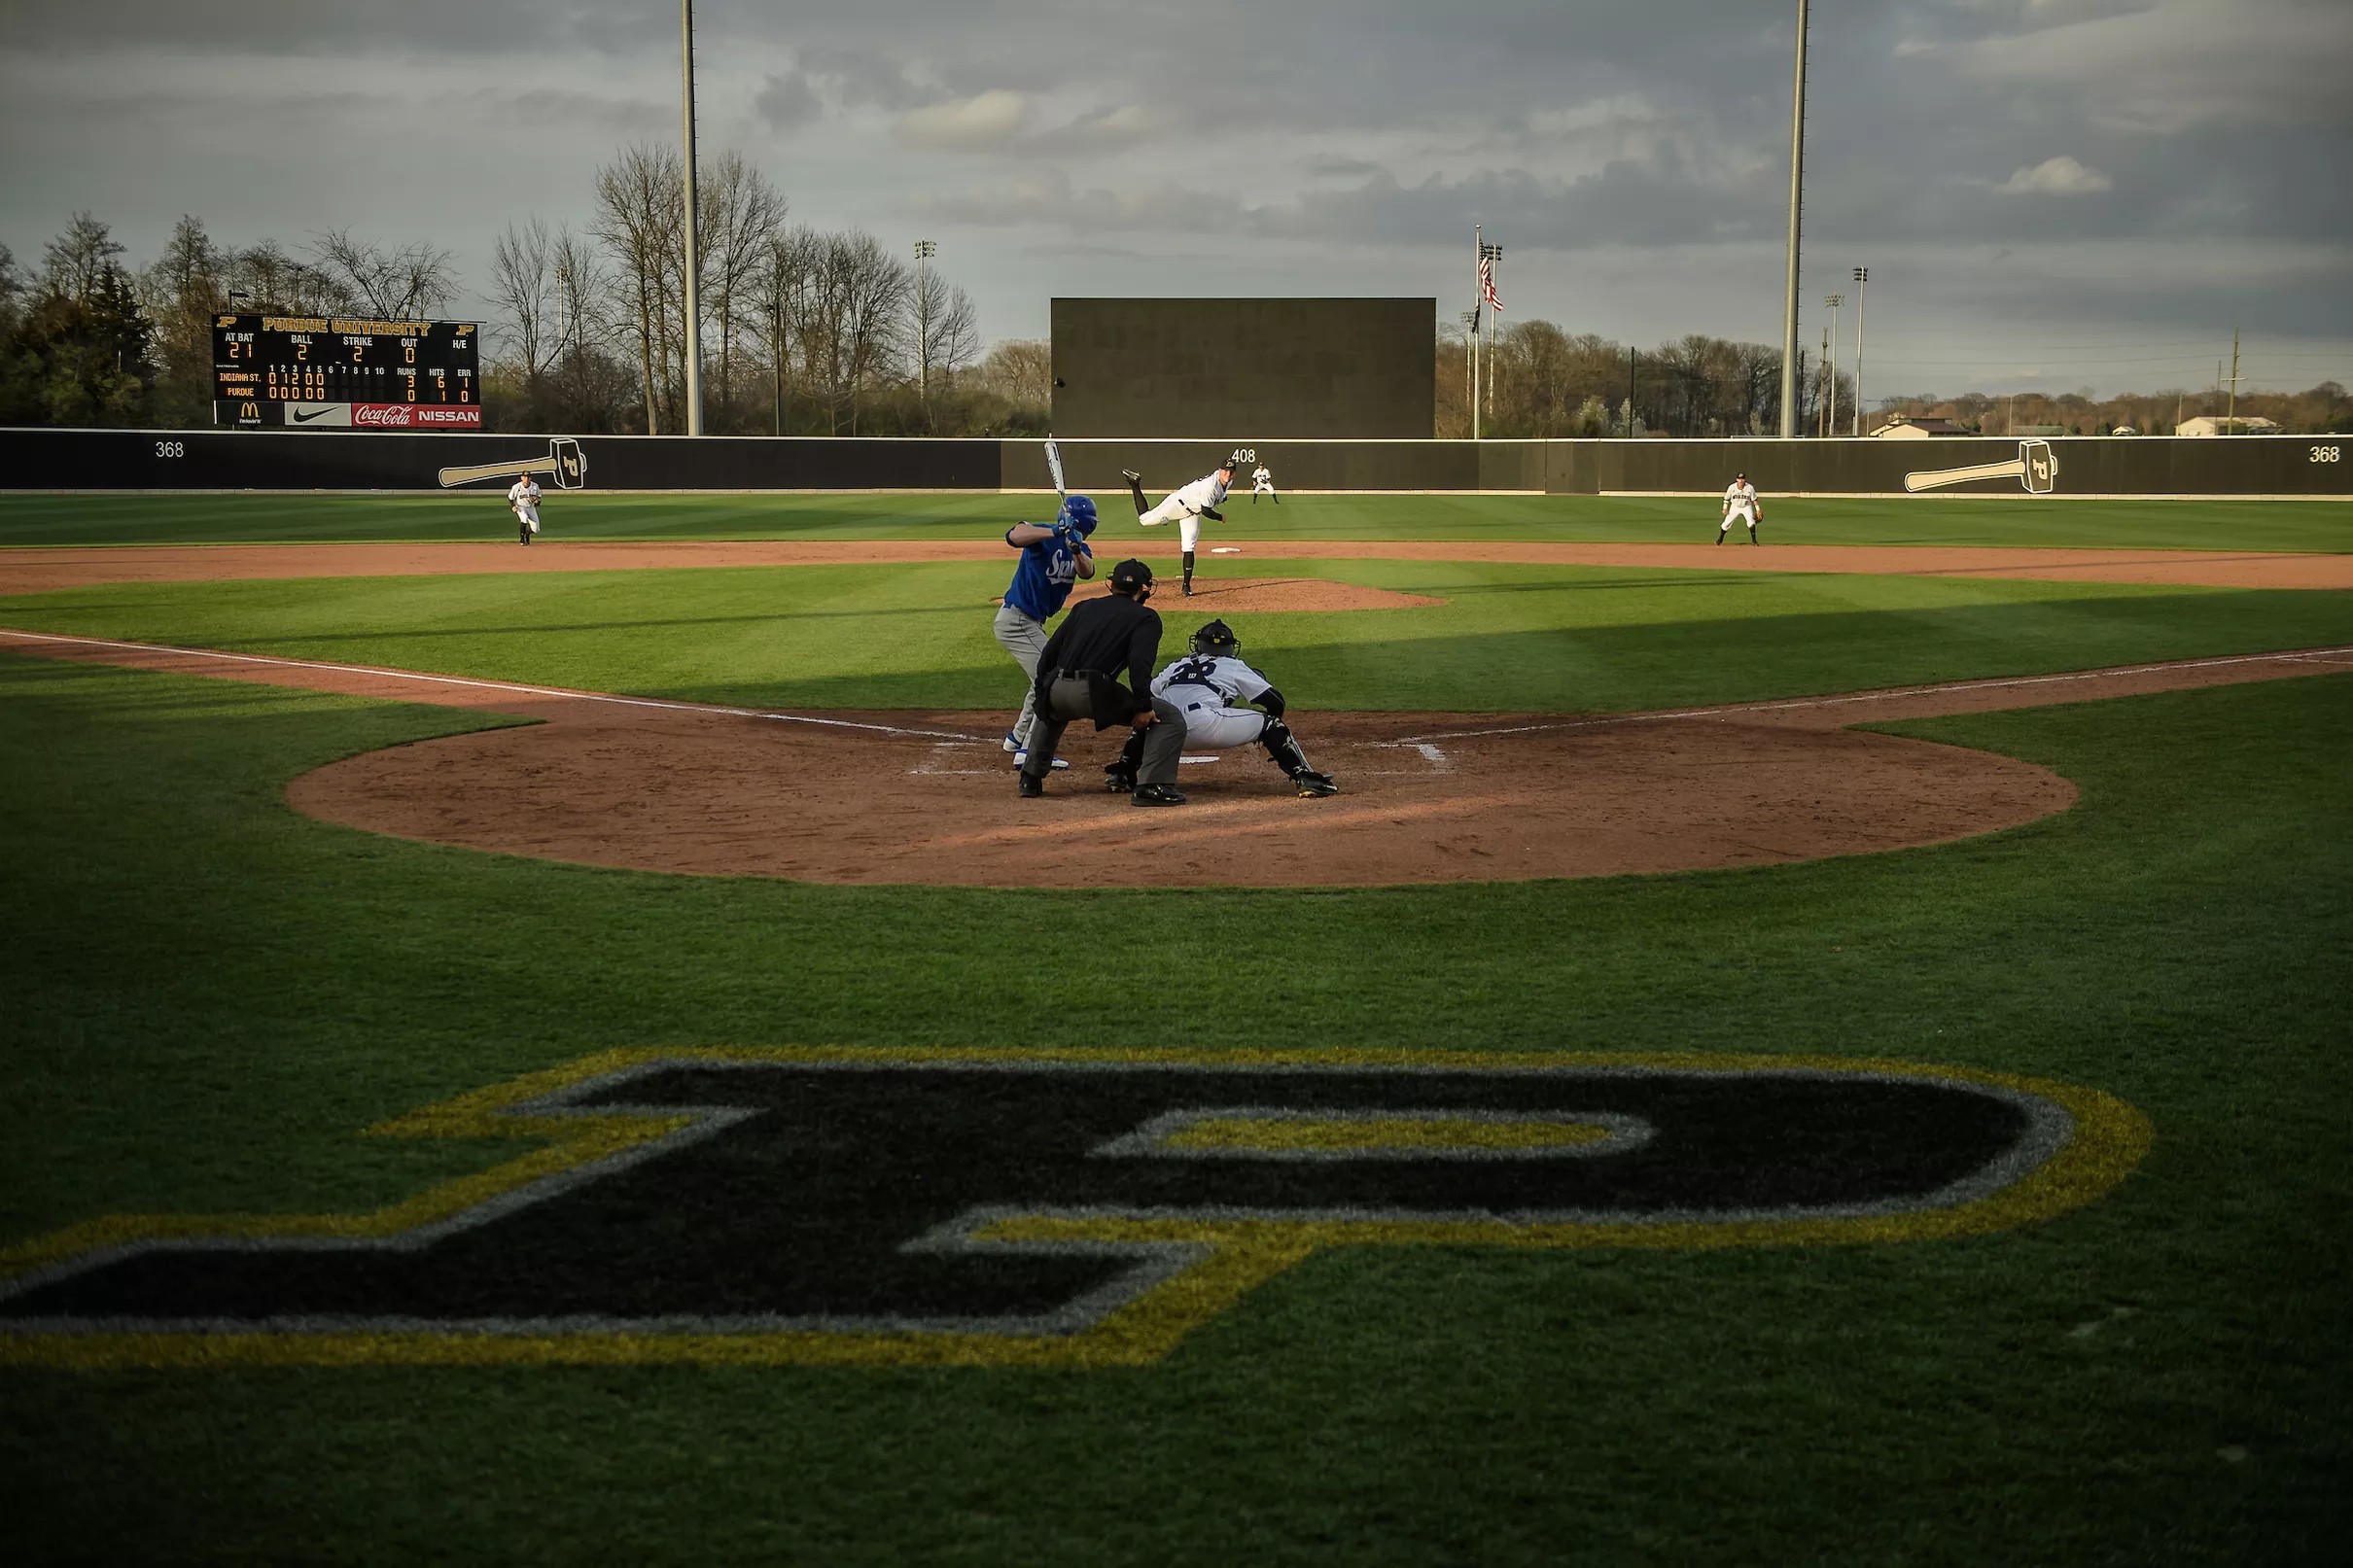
1183,759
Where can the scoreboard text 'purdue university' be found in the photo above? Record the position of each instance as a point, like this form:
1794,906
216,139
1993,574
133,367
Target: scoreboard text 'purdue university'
341,373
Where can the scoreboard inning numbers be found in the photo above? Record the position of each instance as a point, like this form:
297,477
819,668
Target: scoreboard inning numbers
338,372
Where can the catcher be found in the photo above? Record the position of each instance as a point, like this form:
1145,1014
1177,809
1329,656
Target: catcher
1208,689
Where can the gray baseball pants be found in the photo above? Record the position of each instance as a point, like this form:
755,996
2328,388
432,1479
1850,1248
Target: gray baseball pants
1025,640
1069,698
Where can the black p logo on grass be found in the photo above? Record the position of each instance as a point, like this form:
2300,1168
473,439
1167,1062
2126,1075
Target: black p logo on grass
970,1206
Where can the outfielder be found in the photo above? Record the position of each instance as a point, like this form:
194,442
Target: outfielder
1052,561
1262,483
523,500
1741,500
1208,687
1185,507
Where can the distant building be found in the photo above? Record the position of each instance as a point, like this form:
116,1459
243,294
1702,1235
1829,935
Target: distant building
2215,424
1910,427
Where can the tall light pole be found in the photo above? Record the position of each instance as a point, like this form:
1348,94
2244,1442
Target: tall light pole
694,256
1470,357
925,250
1862,301
1830,362
1797,163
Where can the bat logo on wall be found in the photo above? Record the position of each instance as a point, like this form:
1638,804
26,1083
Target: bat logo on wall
564,460
2036,467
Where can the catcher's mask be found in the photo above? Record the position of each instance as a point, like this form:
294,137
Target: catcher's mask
1217,640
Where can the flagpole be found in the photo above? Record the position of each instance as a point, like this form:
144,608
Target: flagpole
1478,308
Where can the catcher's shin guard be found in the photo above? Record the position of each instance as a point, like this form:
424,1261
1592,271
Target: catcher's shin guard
1284,747
1120,777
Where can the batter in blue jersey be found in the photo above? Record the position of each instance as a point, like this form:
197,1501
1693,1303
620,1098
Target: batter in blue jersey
1052,560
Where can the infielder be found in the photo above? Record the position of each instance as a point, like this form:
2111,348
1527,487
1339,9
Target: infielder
1208,689
1052,561
1185,507
1262,483
523,500
1741,500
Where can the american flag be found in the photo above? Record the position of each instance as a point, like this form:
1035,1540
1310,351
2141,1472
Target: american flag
1487,284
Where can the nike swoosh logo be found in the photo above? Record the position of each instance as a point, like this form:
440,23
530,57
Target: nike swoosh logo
305,419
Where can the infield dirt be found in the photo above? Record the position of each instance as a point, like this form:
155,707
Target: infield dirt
899,797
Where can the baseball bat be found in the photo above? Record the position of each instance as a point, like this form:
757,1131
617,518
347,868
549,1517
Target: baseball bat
1054,468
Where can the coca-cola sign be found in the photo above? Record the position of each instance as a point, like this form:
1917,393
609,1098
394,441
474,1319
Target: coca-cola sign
414,416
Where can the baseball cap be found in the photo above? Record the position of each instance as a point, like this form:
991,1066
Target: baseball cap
1129,575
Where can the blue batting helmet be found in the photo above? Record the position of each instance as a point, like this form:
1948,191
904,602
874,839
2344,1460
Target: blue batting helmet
1081,510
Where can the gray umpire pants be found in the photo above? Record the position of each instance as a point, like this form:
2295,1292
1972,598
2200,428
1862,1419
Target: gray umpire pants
1069,698
1025,640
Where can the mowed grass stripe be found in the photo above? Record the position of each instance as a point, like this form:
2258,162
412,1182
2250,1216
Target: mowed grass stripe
1937,520
1510,639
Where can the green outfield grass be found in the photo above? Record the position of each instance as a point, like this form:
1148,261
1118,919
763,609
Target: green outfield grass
2000,521
1510,638
210,996
206,997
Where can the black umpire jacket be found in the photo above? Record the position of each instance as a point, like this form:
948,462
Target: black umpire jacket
1095,642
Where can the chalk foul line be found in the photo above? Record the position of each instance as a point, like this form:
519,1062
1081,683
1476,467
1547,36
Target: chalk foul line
516,689
2323,655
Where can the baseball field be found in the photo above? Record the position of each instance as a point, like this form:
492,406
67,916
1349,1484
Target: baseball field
1834,1051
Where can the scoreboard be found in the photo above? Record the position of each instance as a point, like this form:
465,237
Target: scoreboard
339,372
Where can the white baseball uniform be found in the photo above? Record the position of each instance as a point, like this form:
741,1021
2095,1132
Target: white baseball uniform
1262,483
1206,690
524,497
1185,507
1739,500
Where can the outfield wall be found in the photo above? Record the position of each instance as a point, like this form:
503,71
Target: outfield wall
66,459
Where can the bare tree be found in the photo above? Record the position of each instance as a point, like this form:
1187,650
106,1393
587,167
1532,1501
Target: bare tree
274,283
75,264
852,333
778,300
1021,372
392,285
640,220
740,214
947,335
523,284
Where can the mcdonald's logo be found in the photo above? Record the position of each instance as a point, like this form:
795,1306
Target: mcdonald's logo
248,410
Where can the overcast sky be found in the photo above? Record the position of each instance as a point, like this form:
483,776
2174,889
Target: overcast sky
2050,194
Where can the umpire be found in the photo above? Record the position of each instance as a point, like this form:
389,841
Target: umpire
1078,678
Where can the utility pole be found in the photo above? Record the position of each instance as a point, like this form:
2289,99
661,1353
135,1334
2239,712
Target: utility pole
1630,394
1862,276
2231,420
925,250
695,257
1830,355
1822,413
1797,163
1491,257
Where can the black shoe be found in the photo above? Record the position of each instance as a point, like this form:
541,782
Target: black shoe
1188,590
1720,535
1752,536
1031,787
1159,795
1313,784
1131,475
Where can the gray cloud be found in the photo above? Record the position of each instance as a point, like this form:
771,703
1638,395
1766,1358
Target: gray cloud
2127,164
